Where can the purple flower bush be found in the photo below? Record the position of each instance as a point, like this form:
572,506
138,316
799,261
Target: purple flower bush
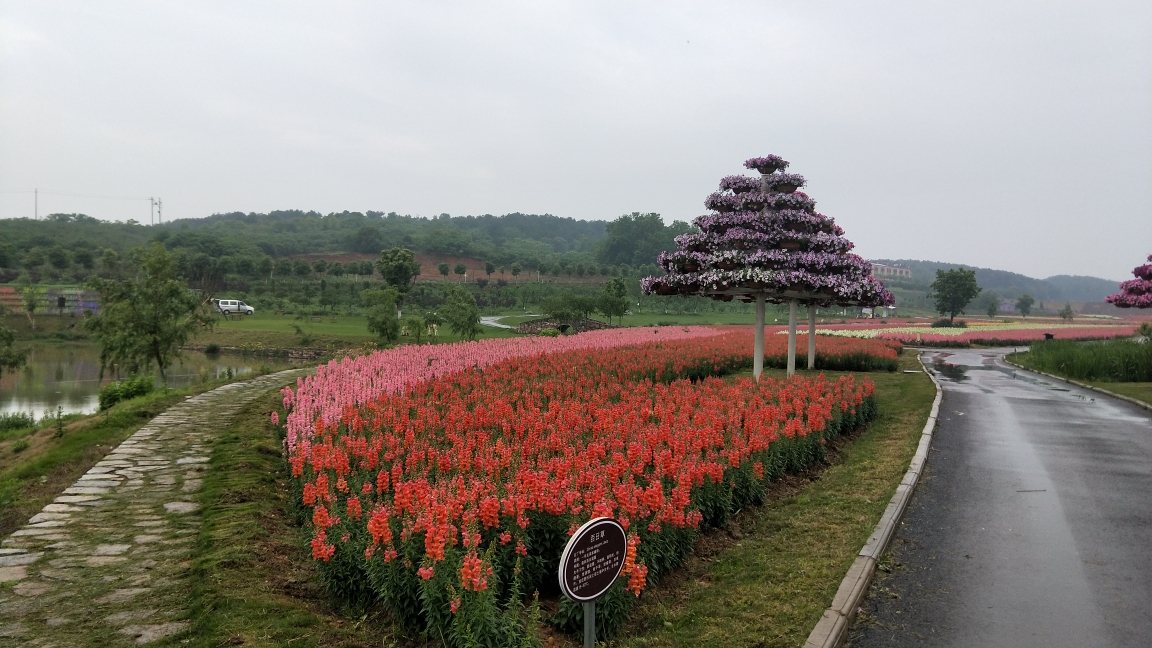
1135,293
765,237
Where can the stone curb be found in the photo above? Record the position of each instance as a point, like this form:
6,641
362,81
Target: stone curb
832,628
1137,403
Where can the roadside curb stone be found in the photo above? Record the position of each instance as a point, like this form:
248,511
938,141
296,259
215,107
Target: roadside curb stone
832,628
106,563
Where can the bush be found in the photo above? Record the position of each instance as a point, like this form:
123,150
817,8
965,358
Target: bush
212,349
550,332
1114,361
20,446
16,421
946,323
113,393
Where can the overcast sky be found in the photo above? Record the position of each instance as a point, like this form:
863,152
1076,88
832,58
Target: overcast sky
1005,135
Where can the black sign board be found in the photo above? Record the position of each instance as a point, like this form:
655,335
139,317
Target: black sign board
593,558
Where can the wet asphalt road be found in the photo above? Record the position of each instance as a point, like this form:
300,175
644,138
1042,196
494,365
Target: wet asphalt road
1032,526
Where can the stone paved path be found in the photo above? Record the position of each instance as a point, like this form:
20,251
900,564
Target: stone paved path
106,564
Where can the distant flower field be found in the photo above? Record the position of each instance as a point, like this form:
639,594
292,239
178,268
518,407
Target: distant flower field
980,331
444,480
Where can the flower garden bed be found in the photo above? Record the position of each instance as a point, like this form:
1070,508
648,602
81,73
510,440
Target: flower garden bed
448,494
980,332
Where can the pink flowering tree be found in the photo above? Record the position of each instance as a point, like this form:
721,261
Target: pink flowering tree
765,242
1135,293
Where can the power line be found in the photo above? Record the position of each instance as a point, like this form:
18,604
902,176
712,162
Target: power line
154,203
73,195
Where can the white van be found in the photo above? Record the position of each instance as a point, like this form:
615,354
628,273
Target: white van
231,306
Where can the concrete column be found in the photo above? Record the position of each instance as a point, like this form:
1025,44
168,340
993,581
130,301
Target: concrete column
758,353
811,336
792,338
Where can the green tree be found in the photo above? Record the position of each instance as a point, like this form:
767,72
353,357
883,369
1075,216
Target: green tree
992,304
1024,305
444,268
639,238
953,290
320,266
516,269
1067,313
613,301
145,320
10,357
84,258
399,269
31,297
461,313
282,268
368,239
59,257
336,269
35,258
301,268
414,327
489,268
460,269
382,318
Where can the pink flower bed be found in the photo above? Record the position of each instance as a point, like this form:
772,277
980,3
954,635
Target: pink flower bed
349,382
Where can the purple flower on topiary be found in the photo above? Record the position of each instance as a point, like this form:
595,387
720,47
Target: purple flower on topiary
767,164
1135,293
768,242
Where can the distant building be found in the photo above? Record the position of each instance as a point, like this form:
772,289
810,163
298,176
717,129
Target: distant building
881,270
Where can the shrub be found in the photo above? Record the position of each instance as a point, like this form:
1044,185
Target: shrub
20,446
550,332
212,348
946,323
113,393
16,421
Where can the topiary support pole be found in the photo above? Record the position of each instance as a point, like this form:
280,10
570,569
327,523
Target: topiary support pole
811,336
791,338
758,349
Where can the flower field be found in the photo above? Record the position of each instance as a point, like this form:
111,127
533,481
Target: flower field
444,481
982,332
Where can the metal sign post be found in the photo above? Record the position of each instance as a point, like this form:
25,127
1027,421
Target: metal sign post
590,564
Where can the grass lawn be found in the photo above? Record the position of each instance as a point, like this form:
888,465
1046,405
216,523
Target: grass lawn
271,331
1141,391
764,582
255,584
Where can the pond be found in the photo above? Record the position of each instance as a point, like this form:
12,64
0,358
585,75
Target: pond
68,376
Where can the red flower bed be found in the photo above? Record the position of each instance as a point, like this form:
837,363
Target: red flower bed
451,499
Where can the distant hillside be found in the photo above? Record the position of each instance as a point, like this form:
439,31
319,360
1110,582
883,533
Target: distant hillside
1010,284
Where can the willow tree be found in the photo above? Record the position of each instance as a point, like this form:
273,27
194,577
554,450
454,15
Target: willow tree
765,242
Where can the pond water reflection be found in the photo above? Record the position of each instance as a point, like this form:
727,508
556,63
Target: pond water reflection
68,376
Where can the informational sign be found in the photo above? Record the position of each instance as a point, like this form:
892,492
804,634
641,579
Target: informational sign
592,559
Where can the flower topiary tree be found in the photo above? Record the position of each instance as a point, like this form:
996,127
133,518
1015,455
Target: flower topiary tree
765,242
1135,293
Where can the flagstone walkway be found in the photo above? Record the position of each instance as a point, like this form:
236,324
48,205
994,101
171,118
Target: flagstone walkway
107,563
